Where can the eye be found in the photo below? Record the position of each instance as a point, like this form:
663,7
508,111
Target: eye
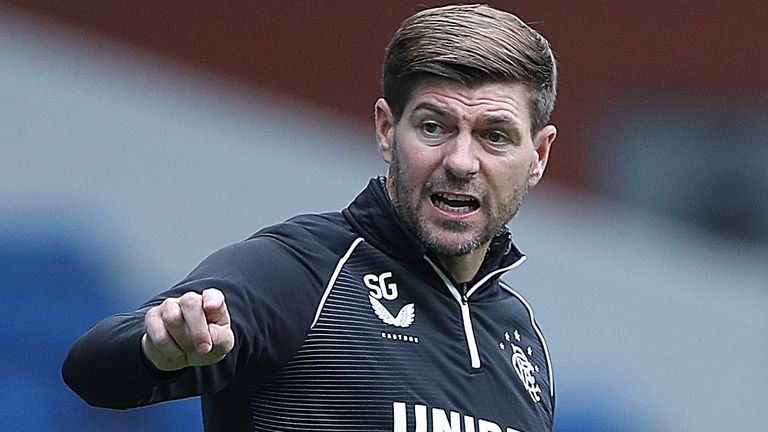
431,128
497,138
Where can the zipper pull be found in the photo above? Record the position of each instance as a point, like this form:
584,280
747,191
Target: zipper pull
464,299
463,290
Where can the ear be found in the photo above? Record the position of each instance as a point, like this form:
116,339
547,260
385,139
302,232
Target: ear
385,129
543,143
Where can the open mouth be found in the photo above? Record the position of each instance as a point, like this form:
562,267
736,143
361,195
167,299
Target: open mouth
454,203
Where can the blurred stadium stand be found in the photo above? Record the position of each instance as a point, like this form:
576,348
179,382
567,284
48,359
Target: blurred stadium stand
137,138
54,288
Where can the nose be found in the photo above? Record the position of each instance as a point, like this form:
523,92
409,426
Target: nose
460,159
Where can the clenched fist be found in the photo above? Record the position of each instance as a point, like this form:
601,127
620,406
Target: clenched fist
191,330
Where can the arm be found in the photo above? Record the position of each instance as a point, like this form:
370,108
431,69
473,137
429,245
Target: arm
124,360
147,356
272,284
110,352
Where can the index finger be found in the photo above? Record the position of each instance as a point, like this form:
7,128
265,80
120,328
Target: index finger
195,321
215,307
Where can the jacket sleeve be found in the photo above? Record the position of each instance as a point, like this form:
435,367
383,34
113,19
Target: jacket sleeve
271,292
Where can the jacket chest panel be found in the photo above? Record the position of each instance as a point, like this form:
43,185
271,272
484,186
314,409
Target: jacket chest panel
385,346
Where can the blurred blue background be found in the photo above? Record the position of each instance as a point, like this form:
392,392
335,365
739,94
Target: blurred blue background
136,140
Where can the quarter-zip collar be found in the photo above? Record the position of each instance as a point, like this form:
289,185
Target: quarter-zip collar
372,214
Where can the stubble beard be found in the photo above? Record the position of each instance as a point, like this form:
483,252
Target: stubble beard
408,210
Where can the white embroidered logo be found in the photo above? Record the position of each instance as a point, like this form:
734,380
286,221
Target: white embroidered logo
403,319
523,367
379,287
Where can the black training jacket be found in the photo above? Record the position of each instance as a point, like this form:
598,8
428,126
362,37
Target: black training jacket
342,323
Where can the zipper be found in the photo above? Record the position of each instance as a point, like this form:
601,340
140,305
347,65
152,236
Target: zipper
463,299
474,354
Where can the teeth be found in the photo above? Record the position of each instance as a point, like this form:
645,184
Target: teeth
446,207
453,197
445,198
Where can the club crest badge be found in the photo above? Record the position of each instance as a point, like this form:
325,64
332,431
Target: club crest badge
521,364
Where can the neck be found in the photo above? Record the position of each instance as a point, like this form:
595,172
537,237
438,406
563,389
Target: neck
463,268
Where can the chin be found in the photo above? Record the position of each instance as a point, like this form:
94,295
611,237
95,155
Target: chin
454,247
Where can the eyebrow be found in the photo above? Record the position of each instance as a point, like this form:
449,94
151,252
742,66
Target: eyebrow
510,123
498,118
428,106
484,118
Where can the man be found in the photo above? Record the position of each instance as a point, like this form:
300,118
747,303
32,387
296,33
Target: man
389,315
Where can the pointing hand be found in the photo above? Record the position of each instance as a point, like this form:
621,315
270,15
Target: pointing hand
191,330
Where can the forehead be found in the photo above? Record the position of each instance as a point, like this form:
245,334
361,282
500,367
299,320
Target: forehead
508,101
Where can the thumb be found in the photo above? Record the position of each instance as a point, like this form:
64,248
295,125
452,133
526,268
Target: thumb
222,338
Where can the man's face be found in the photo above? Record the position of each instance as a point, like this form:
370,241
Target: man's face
461,160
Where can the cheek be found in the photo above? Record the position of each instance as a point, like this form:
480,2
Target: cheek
414,165
506,177
522,167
